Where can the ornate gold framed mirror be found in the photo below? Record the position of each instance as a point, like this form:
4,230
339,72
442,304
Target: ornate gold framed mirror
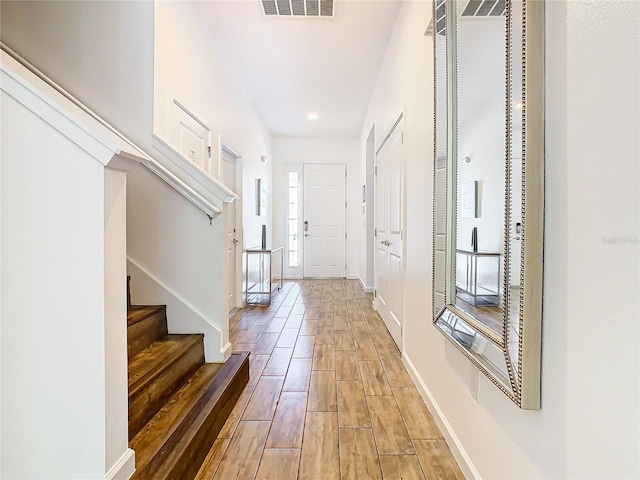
489,187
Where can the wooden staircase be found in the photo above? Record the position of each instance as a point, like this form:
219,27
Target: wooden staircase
177,403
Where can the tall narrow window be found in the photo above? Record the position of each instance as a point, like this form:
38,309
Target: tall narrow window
293,216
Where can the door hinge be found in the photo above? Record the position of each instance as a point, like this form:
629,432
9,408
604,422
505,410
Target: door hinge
402,134
345,204
209,150
345,235
375,170
375,293
375,232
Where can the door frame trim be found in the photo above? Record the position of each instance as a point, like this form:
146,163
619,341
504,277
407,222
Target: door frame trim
403,206
223,149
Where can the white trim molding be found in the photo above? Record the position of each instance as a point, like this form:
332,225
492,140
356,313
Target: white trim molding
458,451
204,179
124,468
183,189
65,116
226,351
364,286
52,103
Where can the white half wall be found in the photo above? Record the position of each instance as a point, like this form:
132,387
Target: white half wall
53,392
590,327
63,318
293,153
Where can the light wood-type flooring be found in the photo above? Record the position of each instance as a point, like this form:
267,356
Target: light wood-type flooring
328,395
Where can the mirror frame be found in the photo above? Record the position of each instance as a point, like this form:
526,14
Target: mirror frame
522,385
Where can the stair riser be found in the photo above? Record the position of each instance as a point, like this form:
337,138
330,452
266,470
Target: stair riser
147,401
190,463
142,334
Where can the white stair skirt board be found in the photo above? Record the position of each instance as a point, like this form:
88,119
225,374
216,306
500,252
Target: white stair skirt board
461,456
182,317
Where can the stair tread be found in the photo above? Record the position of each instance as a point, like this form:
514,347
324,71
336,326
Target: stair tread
155,359
149,440
137,313
167,435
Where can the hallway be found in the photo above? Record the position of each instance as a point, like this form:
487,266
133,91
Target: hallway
328,395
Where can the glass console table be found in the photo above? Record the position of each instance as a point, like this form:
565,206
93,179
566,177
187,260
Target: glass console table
479,289
259,284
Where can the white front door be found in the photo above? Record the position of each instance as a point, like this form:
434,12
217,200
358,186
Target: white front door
390,233
228,173
324,217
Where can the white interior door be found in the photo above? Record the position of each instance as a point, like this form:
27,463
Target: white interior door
228,174
390,233
324,228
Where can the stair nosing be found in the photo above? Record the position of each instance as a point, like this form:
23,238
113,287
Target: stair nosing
166,363
174,425
153,309
197,414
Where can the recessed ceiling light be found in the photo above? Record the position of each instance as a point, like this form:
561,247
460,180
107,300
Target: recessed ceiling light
313,116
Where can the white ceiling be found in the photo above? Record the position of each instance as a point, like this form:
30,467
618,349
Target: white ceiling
293,66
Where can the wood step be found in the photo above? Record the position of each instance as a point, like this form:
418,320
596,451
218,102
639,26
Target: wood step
176,441
157,372
146,324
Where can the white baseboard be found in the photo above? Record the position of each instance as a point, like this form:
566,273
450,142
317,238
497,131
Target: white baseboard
364,286
353,276
124,468
226,351
458,451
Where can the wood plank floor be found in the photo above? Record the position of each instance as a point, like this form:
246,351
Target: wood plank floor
328,397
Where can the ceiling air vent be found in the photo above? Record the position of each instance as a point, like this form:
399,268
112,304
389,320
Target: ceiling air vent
298,8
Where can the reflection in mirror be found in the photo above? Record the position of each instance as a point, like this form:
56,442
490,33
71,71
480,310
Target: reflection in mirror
486,355
480,179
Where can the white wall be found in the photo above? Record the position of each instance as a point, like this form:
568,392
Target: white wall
173,243
294,153
588,424
103,53
53,386
183,46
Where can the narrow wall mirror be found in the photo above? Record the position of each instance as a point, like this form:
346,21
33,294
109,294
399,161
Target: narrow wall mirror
488,187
